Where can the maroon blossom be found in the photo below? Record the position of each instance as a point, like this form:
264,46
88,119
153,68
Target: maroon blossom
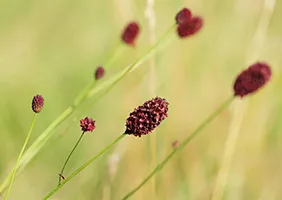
147,117
99,73
190,27
130,33
252,79
183,16
37,103
87,124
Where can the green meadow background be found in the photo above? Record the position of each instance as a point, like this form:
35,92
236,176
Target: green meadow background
53,47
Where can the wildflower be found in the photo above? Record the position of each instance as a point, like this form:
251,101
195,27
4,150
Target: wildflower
252,79
87,124
183,16
190,27
99,73
130,33
147,117
37,103
175,144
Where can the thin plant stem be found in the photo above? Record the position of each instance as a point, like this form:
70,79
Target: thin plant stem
181,146
84,166
117,53
20,155
68,158
88,92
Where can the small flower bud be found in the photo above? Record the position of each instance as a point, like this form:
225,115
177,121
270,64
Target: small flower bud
130,33
87,124
37,103
190,27
175,144
183,16
252,79
147,117
99,73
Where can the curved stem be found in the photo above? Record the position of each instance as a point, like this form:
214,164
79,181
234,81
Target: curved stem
68,158
84,166
181,146
20,155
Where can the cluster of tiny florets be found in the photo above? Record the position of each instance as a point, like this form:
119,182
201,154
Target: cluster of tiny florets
99,73
87,124
252,79
187,24
147,117
130,33
37,103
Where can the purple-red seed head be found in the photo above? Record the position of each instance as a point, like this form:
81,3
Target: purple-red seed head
183,16
252,79
37,103
99,73
147,117
87,124
130,33
190,27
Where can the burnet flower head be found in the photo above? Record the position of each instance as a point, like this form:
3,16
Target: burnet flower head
130,33
147,117
37,103
252,79
87,124
187,24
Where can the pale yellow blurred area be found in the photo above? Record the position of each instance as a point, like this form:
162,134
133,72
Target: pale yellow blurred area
53,47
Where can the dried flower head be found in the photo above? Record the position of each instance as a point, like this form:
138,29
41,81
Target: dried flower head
175,144
190,27
147,117
130,33
87,124
99,73
252,79
183,16
37,103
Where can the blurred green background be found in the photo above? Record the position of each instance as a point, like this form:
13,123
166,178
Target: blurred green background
52,48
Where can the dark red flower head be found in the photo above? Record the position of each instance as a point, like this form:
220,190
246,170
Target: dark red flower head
252,79
190,27
37,103
130,33
99,73
147,117
183,16
87,124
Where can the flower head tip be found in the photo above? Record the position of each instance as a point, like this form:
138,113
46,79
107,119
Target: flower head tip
99,73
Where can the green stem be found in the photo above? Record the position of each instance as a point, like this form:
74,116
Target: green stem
181,146
68,158
119,50
84,166
20,155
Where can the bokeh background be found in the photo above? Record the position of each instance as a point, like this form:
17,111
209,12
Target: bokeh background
52,48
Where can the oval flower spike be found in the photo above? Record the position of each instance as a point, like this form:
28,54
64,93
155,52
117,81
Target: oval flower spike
99,73
252,79
183,16
147,117
37,103
190,27
130,33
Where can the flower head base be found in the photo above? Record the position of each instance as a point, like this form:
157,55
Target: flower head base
99,73
130,33
252,79
183,16
147,117
87,124
37,103
190,27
